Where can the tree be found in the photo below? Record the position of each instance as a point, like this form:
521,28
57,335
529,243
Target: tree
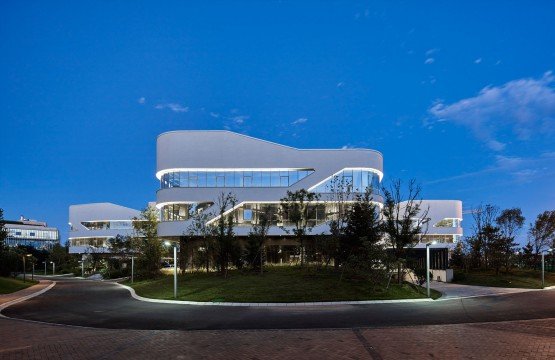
498,246
510,222
458,256
403,220
528,258
120,247
257,238
3,232
9,260
65,262
542,232
362,249
147,243
484,217
294,210
226,249
339,197
199,230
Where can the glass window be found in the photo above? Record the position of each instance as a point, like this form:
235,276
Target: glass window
201,179
274,182
256,179
193,179
266,181
293,176
229,178
247,214
238,179
211,179
357,181
220,180
263,178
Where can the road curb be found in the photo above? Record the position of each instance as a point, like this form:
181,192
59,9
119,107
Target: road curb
26,297
296,304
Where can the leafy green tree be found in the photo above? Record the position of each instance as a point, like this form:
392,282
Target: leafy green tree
257,237
146,243
528,257
294,210
227,250
362,250
65,262
498,247
340,197
198,229
403,220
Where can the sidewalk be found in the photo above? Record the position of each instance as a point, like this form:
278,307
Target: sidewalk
6,298
451,290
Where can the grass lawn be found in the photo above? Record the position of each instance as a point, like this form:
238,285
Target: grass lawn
10,285
278,284
517,278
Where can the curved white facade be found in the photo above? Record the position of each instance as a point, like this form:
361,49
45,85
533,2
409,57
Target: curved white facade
91,225
195,167
190,155
444,224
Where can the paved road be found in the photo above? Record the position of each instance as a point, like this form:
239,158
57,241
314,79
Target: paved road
106,305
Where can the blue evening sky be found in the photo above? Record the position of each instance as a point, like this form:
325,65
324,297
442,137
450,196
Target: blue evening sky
458,94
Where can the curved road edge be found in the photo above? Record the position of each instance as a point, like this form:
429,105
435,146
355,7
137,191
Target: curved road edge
25,297
135,296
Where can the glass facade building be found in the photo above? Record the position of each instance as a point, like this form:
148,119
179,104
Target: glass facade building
31,233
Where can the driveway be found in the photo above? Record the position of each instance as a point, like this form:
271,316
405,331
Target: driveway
107,305
450,290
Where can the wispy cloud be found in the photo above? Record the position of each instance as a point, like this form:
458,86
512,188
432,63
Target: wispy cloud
239,119
429,61
477,61
299,121
173,107
340,84
520,169
214,115
524,107
141,100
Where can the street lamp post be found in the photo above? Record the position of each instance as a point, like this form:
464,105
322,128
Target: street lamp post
33,273
25,267
428,267
82,268
44,267
132,268
543,267
174,268
53,267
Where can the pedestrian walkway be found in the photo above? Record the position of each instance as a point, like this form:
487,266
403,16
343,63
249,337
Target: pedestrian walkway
450,290
530,339
7,298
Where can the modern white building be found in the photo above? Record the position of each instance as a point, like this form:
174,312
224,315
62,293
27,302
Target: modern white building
195,167
91,225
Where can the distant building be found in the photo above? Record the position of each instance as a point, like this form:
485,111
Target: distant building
92,225
33,233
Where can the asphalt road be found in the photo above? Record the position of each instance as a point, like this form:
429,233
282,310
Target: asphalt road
106,305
